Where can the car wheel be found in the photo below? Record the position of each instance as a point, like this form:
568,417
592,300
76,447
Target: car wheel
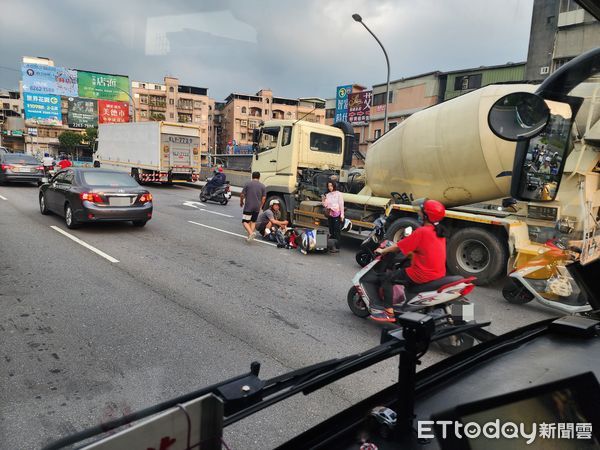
43,206
139,223
70,221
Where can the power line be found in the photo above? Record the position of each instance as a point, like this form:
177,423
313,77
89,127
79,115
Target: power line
9,68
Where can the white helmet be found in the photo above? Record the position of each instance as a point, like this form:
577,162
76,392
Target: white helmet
347,225
274,202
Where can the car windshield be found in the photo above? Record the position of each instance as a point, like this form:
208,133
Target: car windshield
20,159
131,277
99,178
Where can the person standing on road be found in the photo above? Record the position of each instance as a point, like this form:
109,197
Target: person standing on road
252,200
333,202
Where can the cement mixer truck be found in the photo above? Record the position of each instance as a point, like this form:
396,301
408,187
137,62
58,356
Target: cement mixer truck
447,152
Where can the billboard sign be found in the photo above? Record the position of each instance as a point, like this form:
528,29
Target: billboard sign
41,79
341,103
113,112
103,86
359,107
82,113
42,109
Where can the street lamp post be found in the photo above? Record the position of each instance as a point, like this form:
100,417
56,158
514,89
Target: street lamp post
357,18
131,98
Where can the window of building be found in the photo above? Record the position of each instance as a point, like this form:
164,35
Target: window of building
171,115
325,143
391,97
392,125
171,89
377,134
243,136
171,101
378,99
568,5
289,114
463,83
268,101
157,87
197,104
143,85
559,63
329,113
244,110
5,106
144,114
266,112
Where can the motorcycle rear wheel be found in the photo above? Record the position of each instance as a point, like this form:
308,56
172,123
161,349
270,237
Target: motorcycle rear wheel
356,303
223,200
203,197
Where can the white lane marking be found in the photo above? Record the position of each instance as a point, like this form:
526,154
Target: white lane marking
85,244
3,198
231,233
214,212
193,205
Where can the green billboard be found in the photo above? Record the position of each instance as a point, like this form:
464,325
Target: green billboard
103,86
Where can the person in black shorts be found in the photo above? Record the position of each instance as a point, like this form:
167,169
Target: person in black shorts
252,199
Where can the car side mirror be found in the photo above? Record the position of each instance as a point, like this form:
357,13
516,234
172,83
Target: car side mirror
518,116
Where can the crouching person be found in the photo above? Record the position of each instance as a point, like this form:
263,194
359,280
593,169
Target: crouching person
269,223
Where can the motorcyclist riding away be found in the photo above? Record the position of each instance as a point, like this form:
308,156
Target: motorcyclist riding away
428,247
216,181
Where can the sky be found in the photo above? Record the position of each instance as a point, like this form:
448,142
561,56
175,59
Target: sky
297,48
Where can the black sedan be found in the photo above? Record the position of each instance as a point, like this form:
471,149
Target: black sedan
20,167
95,195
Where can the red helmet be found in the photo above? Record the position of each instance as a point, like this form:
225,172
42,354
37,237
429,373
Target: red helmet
220,169
433,211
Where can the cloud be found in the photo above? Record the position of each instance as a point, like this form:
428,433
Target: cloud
297,48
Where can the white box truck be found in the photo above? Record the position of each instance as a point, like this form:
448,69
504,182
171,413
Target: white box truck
150,151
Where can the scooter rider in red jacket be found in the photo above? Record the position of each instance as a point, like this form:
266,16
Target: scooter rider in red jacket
428,247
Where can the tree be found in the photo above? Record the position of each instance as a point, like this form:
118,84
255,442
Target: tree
69,140
91,134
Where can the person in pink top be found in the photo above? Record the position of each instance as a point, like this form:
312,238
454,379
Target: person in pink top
334,203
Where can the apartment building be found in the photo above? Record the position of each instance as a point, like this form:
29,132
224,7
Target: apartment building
242,113
173,102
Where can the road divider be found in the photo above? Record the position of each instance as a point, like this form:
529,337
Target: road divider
85,244
231,233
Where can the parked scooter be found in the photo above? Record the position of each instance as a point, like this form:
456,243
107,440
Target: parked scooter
435,298
546,279
366,253
221,194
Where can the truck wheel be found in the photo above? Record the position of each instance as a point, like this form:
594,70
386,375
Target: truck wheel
282,206
396,229
356,304
476,252
514,292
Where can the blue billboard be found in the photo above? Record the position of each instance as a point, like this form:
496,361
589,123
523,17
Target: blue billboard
42,109
42,79
341,103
